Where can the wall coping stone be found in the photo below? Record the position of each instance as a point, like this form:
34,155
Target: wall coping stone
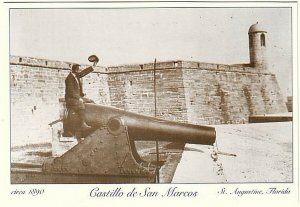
162,65
51,64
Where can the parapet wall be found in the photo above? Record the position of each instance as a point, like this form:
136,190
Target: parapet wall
35,87
186,91
196,92
179,64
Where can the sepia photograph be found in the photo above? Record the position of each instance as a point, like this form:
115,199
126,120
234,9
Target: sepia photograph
151,95
118,102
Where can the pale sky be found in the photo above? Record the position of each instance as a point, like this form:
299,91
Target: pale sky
125,36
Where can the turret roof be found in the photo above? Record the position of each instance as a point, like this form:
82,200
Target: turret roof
256,28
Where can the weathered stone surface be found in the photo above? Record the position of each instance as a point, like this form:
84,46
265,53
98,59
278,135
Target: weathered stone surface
201,93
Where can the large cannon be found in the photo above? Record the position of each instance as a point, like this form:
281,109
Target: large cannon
108,149
107,152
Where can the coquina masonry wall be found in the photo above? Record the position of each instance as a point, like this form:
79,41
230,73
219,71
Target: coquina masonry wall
186,91
222,94
132,88
35,88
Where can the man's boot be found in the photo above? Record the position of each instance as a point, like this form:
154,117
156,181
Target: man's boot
84,126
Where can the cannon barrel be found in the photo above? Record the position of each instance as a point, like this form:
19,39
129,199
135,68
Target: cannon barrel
147,128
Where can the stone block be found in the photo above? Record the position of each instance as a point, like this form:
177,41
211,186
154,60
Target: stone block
223,67
165,65
189,65
209,66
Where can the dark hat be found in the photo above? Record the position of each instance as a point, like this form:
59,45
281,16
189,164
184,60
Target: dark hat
75,67
93,58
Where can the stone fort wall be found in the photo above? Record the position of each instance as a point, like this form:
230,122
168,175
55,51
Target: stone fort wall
186,91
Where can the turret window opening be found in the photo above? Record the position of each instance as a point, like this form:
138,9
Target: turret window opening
263,40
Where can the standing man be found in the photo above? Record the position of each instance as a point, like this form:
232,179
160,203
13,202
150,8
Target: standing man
74,93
